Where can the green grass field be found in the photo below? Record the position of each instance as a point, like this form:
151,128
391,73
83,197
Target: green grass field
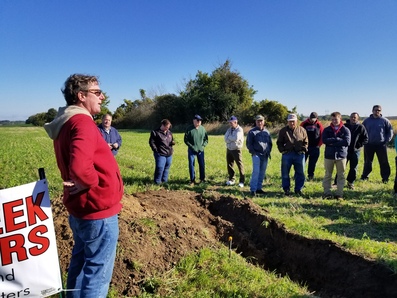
365,222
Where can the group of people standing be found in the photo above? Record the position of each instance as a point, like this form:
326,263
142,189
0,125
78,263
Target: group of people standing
298,144
343,143
161,142
93,187
259,144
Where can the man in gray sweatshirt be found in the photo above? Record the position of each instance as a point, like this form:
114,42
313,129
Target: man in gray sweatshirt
380,132
234,139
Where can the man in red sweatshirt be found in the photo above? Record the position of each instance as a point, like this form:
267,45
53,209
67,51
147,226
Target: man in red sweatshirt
314,130
93,187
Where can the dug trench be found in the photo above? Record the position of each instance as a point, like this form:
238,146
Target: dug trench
158,228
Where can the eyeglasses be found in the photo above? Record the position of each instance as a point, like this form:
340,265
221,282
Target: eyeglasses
97,92
378,110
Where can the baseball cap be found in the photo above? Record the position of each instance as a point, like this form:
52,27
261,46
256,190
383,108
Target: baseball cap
292,117
197,117
313,115
233,118
259,117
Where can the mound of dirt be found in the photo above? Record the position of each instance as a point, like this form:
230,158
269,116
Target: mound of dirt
158,228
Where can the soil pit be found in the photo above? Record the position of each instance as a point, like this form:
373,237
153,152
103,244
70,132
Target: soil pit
158,228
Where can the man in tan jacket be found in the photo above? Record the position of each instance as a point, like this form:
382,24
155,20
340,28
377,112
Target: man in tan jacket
292,142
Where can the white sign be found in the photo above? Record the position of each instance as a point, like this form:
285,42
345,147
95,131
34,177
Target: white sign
29,264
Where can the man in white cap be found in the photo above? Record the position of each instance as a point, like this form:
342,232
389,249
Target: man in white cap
292,142
234,139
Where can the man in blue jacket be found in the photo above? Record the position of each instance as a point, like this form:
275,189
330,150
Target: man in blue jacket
110,134
336,138
259,144
380,132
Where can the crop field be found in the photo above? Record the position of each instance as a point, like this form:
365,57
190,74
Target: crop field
364,223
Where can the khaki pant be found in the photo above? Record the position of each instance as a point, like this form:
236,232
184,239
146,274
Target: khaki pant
340,172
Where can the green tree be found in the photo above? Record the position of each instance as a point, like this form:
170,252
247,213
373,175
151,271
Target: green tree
37,119
104,109
234,92
40,118
137,113
123,109
172,107
275,112
219,95
51,114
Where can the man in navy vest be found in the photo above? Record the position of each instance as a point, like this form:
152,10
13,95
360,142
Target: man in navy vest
110,134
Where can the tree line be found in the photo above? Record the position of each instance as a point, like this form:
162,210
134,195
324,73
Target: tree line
215,97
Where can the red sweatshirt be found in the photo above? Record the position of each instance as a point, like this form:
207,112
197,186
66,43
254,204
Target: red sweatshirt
314,132
83,156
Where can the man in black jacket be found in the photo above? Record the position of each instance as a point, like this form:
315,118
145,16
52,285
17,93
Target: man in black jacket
161,142
359,137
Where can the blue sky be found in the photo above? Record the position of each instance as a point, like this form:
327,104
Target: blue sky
316,55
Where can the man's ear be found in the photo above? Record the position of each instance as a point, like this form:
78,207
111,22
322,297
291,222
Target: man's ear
81,96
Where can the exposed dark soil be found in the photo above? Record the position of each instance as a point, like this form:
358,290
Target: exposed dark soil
157,228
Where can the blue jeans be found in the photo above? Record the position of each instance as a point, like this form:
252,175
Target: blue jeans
94,251
259,165
200,159
163,164
298,161
312,154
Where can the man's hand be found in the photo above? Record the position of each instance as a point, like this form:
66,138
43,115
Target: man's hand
73,187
